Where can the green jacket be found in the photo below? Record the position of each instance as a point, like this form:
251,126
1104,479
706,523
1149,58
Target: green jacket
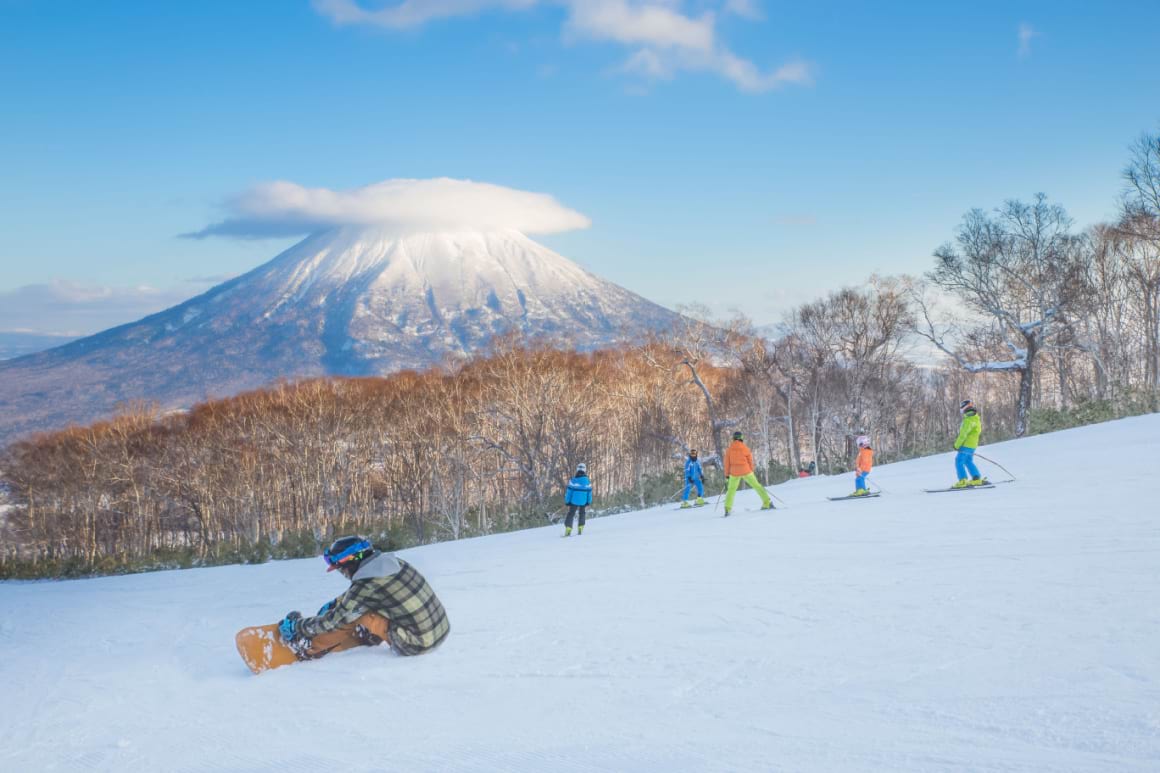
969,430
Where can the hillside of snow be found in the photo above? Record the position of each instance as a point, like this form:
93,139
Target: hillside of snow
1010,629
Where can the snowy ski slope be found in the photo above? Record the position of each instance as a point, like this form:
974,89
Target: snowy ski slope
1014,629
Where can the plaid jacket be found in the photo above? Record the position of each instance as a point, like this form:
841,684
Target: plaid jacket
418,620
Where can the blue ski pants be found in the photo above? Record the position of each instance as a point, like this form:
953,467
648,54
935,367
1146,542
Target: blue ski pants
689,483
965,463
860,480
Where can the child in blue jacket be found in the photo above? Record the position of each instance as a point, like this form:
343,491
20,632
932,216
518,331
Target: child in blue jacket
578,497
694,476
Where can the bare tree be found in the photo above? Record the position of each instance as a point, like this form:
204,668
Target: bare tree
1020,269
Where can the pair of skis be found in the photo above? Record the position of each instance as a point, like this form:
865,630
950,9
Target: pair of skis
855,496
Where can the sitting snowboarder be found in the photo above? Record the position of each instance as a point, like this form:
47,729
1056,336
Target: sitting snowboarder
862,466
694,476
388,600
577,497
966,444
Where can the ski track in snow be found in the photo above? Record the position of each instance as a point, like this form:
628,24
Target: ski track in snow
1013,629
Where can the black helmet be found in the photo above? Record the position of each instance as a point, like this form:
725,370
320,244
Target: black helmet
738,436
347,553
965,406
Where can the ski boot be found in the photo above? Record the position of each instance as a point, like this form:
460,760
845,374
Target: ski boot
579,530
978,482
700,502
685,505
768,506
961,483
860,492
727,511
567,531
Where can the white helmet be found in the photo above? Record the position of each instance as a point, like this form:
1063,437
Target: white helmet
581,467
863,441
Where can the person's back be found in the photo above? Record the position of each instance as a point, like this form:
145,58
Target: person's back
577,497
389,586
738,459
738,466
388,599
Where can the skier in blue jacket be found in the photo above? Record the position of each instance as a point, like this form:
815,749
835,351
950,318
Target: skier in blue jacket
577,497
694,476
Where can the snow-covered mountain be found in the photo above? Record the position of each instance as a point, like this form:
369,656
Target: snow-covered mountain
348,301
1011,629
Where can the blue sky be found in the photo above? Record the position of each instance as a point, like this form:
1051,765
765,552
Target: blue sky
749,154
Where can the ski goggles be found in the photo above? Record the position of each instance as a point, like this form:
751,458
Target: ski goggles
334,561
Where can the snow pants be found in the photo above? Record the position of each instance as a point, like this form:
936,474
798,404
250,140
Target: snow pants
369,630
860,480
754,483
965,463
689,483
571,512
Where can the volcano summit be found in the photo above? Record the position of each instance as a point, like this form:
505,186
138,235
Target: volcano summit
353,299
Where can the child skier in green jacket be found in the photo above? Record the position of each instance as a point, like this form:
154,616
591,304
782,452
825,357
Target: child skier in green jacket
965,444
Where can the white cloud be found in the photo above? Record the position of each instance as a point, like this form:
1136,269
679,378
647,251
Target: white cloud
746,9
412,13
650,24
663,38
288,209
1026,33
68,308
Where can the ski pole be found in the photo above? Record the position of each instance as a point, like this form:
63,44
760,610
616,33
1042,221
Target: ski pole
992,461
720,495
775,496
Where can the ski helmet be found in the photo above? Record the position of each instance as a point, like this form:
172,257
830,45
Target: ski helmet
863,441
347,553
738,436
582,467
965,406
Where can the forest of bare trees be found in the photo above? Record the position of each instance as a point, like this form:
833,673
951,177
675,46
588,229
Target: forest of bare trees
1041,324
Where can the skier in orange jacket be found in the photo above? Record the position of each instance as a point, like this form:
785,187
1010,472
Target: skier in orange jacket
739,467
862,466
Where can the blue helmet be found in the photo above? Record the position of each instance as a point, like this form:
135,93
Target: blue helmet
347,553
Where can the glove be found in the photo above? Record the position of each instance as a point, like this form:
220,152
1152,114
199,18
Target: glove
366,637
288,628
326,607
956,448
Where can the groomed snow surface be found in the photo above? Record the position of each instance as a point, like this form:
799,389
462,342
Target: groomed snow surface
1011,629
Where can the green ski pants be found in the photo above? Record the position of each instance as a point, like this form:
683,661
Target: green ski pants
751,479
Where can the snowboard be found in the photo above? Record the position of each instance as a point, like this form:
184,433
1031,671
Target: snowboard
262,647
965,488
851,496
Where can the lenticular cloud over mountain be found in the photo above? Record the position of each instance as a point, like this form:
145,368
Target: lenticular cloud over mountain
403,274
400,206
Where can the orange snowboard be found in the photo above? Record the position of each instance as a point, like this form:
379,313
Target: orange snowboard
262,648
